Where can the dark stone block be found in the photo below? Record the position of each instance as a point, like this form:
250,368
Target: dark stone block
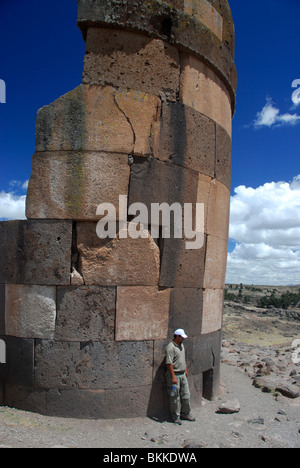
25,398
35,252
115,365
223,156
186,307
105,404
85,313
55,364
181,267
187,138
203,352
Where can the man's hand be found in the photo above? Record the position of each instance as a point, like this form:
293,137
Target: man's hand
171,370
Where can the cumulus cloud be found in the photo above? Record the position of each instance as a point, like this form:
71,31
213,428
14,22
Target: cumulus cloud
12,204
270,116
265,225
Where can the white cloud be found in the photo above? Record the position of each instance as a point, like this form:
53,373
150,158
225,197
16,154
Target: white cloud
12,205
265,224
270,116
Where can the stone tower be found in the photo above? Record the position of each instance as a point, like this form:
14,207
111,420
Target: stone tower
86,320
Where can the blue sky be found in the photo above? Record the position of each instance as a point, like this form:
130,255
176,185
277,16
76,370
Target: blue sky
41,58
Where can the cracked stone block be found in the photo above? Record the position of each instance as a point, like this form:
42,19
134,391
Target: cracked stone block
30,311
142,313
142,111
71,185
186,137
119,261
35,252
169,183
86,118
129,60
98,118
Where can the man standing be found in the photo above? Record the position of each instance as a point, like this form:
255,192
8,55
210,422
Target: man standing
178,387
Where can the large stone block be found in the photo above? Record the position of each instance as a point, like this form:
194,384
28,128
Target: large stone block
86,118
215,263
142,111
115,365
122,262
98,118
95,404
181,267
186,138
223,156
129,60
85,313
169,184
93,365
55,364
186,311
213,303
35,252
201,89
203,352
30,311
142,313
218,210
203,192
71,185
205,12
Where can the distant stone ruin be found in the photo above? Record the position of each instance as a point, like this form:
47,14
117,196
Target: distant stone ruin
85,321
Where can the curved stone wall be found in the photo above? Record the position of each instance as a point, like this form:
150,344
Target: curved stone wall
86,320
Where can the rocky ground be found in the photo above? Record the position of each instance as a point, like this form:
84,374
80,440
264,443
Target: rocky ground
258,406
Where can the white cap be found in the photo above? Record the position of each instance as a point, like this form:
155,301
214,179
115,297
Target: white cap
180,332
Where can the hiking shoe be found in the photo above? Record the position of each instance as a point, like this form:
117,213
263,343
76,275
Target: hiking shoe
188,417
177,421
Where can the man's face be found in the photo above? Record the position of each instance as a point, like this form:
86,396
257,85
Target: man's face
179,339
